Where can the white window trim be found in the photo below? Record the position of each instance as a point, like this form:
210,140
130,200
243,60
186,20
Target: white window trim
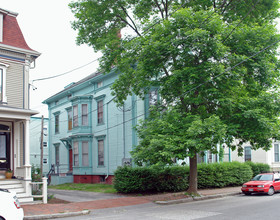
4,67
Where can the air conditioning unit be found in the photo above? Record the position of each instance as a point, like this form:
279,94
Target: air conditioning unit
126,161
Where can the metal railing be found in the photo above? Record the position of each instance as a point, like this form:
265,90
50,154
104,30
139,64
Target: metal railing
58,169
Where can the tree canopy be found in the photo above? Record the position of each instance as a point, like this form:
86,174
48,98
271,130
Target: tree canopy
214,62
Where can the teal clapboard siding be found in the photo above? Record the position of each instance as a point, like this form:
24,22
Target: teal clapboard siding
117,129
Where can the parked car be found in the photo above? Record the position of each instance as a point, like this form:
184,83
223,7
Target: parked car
267,183
9,206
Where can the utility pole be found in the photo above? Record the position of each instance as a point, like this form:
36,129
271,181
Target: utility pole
41,145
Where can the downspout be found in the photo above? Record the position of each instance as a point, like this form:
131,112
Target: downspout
123,130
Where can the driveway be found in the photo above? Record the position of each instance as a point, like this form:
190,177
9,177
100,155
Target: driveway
81,196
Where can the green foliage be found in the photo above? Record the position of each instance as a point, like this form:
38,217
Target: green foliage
35,174
221,154
258,168
150,179
175,178
224,174
97,187
212,60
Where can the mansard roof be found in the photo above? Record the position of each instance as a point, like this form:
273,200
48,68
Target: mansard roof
12,35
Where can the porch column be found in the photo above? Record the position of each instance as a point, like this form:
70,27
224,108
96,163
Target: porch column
27,144
27,166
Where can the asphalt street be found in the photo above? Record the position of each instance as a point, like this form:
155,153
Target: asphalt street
255,207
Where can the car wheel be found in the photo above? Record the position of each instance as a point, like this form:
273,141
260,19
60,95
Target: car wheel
247,193
271,191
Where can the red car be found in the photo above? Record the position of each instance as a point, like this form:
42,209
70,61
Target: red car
263,183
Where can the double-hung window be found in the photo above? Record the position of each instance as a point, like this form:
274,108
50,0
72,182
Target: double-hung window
100,112
84,114
76,153
70,118
101,152
3,68
248,153
75,116
1,85
276,152
85,161
56,126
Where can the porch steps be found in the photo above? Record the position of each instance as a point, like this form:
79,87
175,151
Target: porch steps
16,186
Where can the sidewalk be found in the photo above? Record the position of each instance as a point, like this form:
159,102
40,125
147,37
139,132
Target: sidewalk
47,211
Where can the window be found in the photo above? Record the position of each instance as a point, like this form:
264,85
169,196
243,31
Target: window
45,160
100,152
69,112
84,114
100,112
3,68
85,153
76,153
99,84
1,85
56,129
248,156
45,144
57,154
276,152
75,116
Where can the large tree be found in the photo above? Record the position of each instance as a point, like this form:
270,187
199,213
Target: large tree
214,62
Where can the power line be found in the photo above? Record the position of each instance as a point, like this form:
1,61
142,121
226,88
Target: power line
55,76
241,21
231,68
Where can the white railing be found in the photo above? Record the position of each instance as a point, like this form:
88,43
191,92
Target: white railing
44,194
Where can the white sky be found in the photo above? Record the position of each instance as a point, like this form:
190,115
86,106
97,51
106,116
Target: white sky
47,29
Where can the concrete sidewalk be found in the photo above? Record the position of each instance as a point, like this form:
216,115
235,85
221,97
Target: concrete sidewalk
48,211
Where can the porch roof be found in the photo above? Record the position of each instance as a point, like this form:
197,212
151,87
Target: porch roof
7,112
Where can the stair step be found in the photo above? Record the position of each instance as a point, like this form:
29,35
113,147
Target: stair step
25,200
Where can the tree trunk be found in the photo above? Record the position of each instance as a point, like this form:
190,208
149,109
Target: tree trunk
193,176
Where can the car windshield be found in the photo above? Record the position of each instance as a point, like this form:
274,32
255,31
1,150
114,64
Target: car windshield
263,177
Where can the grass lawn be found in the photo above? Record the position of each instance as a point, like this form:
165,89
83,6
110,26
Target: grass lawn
104,188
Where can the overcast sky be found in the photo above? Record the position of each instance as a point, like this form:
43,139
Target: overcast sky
47,29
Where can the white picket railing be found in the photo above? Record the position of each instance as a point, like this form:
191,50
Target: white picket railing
44,194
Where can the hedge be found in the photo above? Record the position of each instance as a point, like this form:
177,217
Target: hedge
258,168
175,178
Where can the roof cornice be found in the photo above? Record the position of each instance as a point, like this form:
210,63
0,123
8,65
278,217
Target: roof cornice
7,12
20,50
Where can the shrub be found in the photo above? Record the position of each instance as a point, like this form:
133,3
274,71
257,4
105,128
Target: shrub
258,168
175,178
132,180
171,179
218,175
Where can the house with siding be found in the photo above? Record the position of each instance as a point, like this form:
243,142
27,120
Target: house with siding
16,59
89,136
270,157
35,143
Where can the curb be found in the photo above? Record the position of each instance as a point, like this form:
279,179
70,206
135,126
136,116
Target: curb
58,215
190,199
